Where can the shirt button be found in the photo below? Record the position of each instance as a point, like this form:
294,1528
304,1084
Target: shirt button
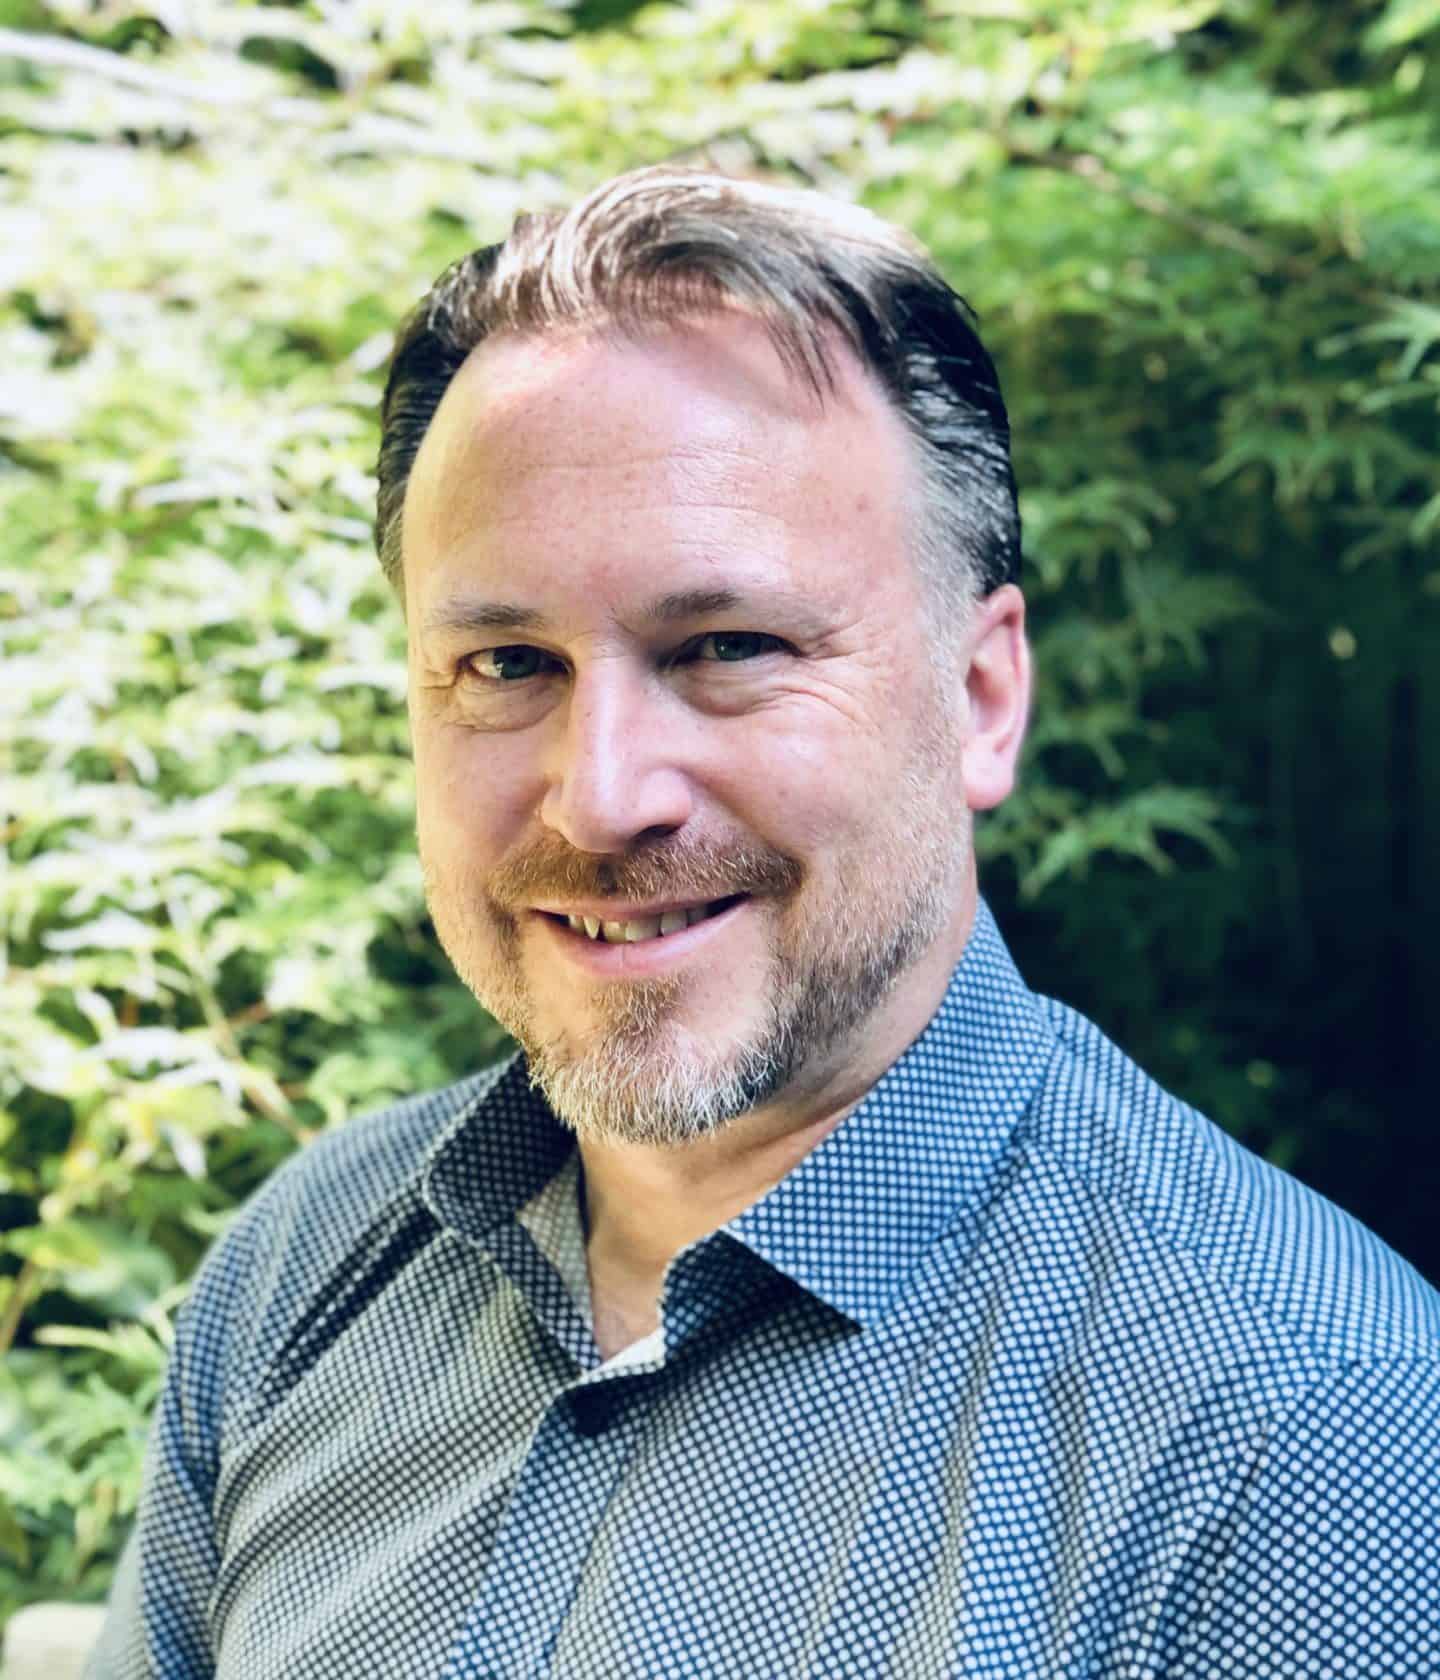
593,1410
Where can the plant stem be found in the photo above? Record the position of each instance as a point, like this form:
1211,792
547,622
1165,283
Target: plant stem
20,1295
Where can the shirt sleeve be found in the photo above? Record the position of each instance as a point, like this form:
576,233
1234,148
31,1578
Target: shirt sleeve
157,1625
1335,1572
252,1289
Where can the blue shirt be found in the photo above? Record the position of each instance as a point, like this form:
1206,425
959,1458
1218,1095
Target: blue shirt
1027,1370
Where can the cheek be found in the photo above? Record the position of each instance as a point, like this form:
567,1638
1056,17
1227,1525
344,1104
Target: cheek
467,807
808,789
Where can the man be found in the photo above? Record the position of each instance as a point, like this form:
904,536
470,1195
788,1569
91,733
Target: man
808,1298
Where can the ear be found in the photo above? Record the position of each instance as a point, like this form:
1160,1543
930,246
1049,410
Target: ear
997,697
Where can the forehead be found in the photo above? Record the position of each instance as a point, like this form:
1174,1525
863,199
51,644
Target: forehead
689,447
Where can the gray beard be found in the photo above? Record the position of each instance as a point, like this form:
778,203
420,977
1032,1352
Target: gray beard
647,1082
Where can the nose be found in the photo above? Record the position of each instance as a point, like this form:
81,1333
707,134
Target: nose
612,773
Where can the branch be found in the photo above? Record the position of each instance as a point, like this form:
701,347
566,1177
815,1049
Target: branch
21,1290
1265,258
369,134
56,53
262,1090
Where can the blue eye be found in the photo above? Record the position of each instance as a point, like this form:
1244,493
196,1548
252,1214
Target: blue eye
732,646
507,667
508,664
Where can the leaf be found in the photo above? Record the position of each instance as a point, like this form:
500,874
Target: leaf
102,1263
1131,827
1402,22
14,1541
1409,322
116,930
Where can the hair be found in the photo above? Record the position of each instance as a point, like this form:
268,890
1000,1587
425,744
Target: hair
660,244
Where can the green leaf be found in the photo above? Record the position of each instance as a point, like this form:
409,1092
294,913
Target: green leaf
102,1263
1402,22
14,1541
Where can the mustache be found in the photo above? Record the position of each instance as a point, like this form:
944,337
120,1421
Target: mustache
699,869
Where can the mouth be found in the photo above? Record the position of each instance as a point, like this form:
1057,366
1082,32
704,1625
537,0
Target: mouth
642,946
640,930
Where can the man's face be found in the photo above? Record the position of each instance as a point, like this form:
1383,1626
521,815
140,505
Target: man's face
668,655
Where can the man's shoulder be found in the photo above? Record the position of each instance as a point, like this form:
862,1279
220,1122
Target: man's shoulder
321,1207
1254,1240
383,1147
340,1182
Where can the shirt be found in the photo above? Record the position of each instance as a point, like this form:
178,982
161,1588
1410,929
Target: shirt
1026,1370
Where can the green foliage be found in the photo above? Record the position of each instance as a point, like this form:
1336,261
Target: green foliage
1202,238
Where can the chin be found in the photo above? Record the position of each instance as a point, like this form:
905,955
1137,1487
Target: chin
659,1095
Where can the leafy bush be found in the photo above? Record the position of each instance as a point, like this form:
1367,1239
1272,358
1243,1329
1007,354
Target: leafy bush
1200,237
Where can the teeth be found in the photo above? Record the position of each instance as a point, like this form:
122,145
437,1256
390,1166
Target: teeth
643,927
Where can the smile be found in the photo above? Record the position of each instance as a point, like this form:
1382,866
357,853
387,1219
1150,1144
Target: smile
642,928
642,945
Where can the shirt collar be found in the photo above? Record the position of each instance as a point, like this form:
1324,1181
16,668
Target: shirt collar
501,1149
918,1157
913,1161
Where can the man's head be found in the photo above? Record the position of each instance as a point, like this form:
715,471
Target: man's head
679,569
660,244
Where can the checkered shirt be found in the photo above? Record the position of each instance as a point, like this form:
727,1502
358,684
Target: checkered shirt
1027,1370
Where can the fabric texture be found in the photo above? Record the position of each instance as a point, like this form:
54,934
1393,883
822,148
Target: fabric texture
1027,1370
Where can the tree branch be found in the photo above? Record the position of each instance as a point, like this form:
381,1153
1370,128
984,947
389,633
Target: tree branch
1265,258
54,52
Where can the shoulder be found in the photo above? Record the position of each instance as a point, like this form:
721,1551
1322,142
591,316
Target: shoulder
343,1175
317,1215
1254,1244
329,1193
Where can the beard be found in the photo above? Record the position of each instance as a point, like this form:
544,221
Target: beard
836,951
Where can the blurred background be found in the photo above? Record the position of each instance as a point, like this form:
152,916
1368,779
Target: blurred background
1203,240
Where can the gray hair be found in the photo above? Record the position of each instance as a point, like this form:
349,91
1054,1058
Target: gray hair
663,243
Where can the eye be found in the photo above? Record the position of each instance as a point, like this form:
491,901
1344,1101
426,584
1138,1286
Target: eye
503,665
733,646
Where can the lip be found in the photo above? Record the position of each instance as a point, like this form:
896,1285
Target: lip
638,961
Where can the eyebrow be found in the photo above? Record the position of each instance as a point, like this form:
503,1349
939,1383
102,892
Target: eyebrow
466,613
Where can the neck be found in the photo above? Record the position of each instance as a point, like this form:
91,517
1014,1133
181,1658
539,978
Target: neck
643,1205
